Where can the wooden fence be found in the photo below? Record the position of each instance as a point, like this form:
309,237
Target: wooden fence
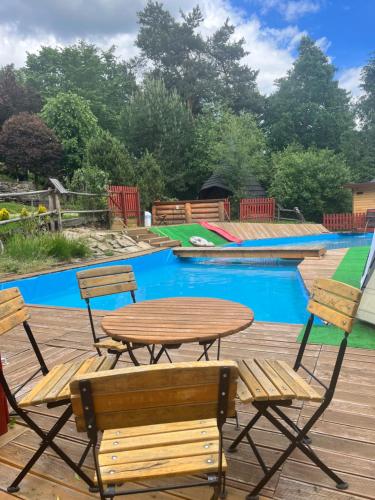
190,211
53,219
124,202
345,222
259,209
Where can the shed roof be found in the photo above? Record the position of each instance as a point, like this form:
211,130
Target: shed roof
252,187
361,185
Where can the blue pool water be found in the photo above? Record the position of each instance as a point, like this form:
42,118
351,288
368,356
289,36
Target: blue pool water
272,288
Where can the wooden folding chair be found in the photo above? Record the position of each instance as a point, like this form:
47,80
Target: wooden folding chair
159,421
102,281
52,389
270,384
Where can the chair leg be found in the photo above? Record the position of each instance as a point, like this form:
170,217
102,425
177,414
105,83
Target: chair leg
47,441
131,354
296,442
245,430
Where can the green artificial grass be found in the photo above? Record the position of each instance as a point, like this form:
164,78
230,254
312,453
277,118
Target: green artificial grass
363,335
185,231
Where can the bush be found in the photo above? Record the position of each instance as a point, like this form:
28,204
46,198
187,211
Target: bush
62,248
312,180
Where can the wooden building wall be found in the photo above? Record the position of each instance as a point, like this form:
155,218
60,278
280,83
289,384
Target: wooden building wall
363,200
186,212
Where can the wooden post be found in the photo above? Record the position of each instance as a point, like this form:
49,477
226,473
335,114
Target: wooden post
54,206
221,211
188,218
51,208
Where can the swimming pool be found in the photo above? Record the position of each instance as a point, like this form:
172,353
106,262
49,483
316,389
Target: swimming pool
273,288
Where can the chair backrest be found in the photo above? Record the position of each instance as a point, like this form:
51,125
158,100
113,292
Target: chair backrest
335,302
156,394
13,311
106,281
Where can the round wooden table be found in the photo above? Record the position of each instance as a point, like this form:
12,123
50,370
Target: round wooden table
175,321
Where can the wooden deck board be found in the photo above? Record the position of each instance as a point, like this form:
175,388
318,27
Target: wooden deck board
345,437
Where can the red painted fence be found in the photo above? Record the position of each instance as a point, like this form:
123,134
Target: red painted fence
124,201
345,222
260,209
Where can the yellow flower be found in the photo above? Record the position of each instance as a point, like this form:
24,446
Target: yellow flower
24,212
42,209
4,214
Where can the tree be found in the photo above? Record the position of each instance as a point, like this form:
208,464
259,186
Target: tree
90,179
157,121
367,101
96,75
74,124
312,179
308,106
232,146
108,154
359,146
14,97
28,145
200,70
149,179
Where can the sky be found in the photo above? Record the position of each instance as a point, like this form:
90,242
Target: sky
344,29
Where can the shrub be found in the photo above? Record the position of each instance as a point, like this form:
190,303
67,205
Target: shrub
4,214
312,180
62,248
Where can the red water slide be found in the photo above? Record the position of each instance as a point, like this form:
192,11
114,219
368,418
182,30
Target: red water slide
221,232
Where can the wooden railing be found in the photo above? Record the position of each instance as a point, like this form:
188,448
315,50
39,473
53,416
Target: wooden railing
345,222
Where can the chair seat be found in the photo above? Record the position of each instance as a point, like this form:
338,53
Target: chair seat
54,386
270,379
113,345
163,450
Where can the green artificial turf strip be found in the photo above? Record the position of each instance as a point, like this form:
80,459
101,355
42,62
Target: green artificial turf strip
184,232
363,335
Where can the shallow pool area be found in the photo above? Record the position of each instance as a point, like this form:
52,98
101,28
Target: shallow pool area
328,240
272,288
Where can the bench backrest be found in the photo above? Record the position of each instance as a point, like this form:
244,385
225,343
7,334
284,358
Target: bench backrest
335,302
106,281
13,311
155,394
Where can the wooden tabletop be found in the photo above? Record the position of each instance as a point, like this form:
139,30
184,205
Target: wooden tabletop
177,320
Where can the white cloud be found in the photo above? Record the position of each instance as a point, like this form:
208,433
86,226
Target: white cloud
298,8
291,10
271,51
349,79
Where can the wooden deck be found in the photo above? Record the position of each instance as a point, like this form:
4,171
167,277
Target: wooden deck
259,230
345,438
312,268
251,252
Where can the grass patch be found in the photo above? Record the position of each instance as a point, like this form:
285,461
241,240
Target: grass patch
15,208
29,253
184,232
363,335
